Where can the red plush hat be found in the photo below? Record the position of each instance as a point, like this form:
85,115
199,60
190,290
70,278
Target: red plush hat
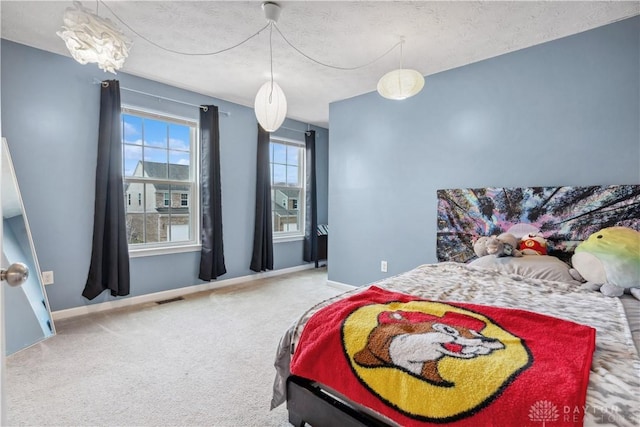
534,243
450,318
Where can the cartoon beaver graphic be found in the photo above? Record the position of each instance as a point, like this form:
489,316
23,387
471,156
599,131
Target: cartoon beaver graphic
415,342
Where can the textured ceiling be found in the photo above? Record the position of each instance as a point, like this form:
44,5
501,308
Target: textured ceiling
439,36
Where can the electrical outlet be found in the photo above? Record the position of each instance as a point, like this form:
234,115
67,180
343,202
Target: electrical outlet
47,277
383,266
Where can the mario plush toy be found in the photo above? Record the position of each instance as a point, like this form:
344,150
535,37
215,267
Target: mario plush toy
533,244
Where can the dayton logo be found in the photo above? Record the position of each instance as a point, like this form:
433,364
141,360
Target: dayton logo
447,362
415,342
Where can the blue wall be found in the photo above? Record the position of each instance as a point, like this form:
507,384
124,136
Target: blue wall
50,110
561,113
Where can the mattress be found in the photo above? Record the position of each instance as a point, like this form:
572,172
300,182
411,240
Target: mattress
614,381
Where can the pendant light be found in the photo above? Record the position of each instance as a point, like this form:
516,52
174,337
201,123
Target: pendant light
401,83
270,105
91,38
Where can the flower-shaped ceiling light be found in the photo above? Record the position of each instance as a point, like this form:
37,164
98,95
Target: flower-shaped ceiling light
91,38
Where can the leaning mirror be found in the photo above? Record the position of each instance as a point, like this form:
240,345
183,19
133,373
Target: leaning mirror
27,317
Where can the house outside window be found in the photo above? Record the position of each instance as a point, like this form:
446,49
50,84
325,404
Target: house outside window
159,167
287,167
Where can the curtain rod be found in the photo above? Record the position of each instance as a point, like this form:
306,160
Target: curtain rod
224,113
295,130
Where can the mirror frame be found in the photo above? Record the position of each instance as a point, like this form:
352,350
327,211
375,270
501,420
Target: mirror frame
35,265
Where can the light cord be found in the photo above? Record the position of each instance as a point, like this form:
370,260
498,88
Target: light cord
335,66
271,25
176,51
271,59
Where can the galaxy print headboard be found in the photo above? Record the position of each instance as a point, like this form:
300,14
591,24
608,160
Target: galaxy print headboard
564,215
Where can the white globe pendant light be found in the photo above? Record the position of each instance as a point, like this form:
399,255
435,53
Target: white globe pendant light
270,106
401,83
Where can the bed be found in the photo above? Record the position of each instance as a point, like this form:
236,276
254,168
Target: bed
532,345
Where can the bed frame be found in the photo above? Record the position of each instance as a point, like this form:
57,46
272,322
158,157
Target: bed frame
565,216
308,403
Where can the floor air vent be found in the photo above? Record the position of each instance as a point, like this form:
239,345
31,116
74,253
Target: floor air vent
165,301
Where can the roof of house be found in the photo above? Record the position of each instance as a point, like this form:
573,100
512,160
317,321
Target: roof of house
289,192
159,170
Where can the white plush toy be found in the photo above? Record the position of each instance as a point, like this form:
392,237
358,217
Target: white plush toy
505,244
609,260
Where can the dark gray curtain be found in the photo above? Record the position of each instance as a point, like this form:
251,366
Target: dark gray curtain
311,200
262,257
212,254
109,267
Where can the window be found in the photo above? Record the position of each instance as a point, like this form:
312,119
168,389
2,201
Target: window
287,187
158,155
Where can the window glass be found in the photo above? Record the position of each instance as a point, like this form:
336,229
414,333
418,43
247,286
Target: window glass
292,176
155,133
132,160
279,175
157,155
179,137
131,130
279,153
287,188
292,155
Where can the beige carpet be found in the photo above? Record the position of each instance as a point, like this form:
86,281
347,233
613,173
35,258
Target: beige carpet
203,361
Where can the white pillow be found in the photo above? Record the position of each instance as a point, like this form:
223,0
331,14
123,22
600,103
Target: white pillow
534,266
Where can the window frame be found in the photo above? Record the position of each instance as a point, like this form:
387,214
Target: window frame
288,236
167,247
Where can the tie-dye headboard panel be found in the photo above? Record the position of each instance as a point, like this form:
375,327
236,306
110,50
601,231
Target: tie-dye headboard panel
564,215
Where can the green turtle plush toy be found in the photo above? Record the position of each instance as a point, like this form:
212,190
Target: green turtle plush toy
610,260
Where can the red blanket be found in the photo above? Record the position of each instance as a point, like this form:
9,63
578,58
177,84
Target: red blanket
423,362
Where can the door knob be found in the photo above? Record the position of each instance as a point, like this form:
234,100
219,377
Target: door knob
16,274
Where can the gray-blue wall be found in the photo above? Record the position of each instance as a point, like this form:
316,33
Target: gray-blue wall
562,113
50,111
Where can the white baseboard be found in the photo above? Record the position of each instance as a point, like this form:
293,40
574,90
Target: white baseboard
172,293
340,285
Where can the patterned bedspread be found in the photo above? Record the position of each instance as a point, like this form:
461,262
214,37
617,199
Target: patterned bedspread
614,380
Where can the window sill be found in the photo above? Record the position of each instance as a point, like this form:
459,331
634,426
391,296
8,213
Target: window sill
165,250
285,239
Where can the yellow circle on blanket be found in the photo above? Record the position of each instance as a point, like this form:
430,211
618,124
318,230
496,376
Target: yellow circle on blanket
429,360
